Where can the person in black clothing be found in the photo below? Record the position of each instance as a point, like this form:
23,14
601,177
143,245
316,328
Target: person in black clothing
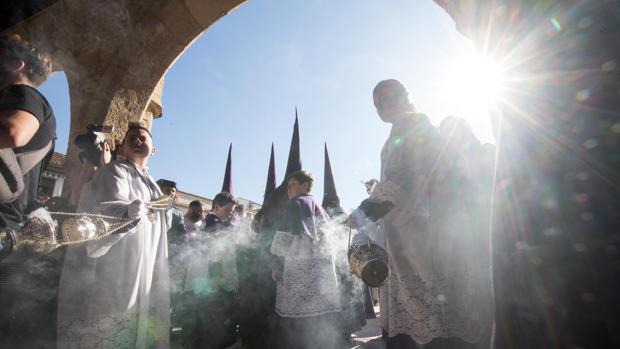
29,283
27,120
221,213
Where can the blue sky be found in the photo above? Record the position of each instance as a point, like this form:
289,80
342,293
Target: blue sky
241,80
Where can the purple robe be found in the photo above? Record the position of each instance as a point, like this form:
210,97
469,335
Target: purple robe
309,285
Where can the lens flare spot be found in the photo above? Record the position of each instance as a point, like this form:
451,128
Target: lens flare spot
398,141
552,231
201,287
615,128
581,198
521,245
579,247
590,143
582,95
556,24
608,66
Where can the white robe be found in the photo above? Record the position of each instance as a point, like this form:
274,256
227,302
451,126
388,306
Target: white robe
190,225
437,286
114,292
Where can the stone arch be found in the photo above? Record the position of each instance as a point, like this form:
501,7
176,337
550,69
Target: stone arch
115,54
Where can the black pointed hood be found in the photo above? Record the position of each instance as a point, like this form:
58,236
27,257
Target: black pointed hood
330,196
294,156
270,186
227,183
273,208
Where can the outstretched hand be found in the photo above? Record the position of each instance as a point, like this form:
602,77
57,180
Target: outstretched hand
106,154
276,275
137,210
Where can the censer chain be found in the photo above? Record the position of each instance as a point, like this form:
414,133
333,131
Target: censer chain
112,231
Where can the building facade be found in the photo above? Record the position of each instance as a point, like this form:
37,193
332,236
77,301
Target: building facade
53,180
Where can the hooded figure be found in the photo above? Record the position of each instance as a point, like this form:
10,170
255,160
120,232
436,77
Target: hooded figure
259,301
227,183
270,186
227,186
273,208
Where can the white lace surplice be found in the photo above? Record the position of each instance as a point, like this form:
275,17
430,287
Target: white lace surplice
114,293
309,286
436,287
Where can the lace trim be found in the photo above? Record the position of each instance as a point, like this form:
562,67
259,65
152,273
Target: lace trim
119,330
308,288
113,331
281,243
441,307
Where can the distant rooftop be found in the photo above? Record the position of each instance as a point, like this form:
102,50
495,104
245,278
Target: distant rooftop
57,163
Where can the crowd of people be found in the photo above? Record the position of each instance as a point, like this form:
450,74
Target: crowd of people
210,279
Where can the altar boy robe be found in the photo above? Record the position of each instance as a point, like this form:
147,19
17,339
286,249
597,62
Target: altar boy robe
114,292
308,297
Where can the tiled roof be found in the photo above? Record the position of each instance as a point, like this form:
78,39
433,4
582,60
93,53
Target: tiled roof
57,161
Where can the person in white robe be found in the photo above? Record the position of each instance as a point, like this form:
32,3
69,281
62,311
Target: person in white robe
437,294
193,218
114,292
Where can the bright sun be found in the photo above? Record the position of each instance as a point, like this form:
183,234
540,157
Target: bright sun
470,87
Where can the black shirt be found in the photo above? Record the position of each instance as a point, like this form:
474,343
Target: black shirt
213,223
26,98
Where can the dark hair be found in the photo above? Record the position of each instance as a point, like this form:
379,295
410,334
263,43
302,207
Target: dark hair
224,198
398,93
195,203
166,183
134,127
38,65
302,177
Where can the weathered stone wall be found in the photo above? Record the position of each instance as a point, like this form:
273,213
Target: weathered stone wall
115,53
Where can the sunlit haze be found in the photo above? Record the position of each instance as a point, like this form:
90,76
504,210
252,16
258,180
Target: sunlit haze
472,84
242,79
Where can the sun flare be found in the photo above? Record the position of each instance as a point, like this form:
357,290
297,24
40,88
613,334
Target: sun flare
471,86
